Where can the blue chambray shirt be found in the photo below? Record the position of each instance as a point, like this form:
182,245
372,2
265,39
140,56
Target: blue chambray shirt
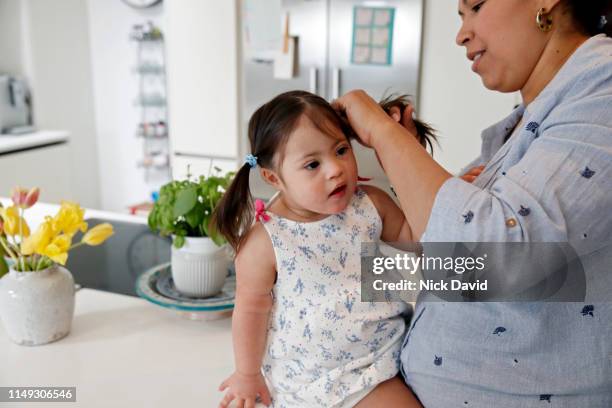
550,182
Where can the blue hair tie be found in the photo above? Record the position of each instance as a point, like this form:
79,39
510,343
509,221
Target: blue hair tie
251,160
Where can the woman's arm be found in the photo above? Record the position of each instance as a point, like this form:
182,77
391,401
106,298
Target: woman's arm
255,273
415,176
562,179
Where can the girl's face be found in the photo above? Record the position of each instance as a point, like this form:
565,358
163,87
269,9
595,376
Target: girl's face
502,39
318,172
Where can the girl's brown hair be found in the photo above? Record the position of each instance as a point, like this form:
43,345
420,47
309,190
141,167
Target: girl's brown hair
268,132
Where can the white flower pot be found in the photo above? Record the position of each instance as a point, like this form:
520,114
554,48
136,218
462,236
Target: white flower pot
199,268
37,307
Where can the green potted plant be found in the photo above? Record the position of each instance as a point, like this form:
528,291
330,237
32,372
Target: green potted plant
184,210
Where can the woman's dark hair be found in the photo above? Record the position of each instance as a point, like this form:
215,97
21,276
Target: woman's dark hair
591,17
268,132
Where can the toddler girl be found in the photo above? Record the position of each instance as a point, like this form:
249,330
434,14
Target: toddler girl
299,321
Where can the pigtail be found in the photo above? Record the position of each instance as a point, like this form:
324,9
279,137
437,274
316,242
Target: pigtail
233,215
425,133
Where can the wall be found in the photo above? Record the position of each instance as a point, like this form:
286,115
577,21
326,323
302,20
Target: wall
113,59
11,38
452,97
79,61
46,43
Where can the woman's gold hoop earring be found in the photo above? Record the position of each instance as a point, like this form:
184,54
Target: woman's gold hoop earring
544,20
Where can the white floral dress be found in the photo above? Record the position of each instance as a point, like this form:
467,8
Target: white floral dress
325,347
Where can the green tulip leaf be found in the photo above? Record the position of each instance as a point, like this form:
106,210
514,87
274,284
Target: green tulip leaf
3,266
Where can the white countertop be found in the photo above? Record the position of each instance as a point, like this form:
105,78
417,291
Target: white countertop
9,143
123,351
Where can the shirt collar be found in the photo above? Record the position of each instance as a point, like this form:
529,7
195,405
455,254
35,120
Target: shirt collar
493,136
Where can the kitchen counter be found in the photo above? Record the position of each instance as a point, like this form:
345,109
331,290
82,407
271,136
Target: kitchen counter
16,143
123,351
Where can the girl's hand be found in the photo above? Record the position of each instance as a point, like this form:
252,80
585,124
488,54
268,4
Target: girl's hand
245,389
471,175
364,114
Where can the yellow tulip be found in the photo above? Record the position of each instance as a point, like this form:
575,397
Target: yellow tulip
57,250
13,223
98,234
37,242
69,219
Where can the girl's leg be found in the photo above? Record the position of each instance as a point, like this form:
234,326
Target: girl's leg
391,393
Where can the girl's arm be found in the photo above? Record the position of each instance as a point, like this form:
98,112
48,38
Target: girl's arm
395,226
255,273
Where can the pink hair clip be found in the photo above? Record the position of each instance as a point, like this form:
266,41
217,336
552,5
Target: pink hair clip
260,211
359,178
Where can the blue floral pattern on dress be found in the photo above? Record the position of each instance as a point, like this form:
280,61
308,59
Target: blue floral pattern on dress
318,325
325,249
329,229
307,252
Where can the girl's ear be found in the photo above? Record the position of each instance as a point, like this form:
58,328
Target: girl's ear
270,177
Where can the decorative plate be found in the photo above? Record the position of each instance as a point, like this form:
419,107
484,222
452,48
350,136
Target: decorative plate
156,286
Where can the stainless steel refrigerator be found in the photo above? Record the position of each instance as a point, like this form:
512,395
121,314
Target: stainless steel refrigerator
331,58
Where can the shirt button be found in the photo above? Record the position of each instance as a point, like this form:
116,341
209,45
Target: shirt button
510,222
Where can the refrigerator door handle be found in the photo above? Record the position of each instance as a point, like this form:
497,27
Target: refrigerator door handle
335,83
314,73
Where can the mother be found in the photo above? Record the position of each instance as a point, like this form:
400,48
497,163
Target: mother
547,177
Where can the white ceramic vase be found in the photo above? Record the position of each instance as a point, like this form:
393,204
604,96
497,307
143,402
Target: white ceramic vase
200,267
37,307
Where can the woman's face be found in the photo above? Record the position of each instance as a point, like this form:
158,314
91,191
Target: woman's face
502,40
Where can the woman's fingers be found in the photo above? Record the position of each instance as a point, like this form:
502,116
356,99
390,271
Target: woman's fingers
408,120
395,113
249,403
408,114
471,175
363,113
476,170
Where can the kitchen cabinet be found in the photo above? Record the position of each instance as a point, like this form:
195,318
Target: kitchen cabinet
47,167
202,78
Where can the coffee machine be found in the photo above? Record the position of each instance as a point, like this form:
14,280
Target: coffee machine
15,106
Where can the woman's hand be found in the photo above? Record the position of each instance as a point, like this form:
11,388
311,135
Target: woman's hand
471,175
406,120
245,389
364,114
